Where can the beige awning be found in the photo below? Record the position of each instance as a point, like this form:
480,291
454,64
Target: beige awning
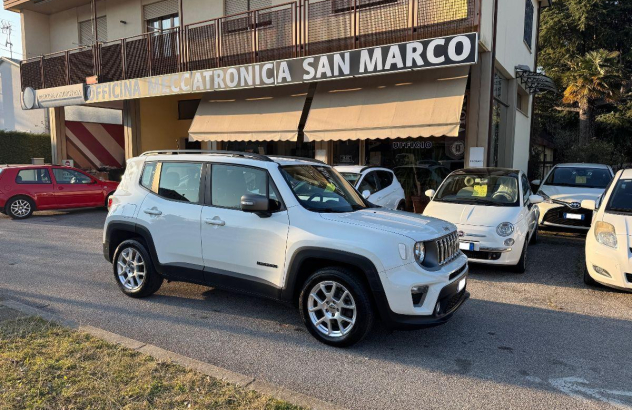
415,104
260,114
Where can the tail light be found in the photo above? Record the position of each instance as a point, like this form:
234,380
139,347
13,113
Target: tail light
110,202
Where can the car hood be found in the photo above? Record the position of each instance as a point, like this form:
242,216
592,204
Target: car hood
414,226
473,215
622,223
571,194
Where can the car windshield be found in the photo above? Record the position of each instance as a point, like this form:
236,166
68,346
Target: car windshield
322,189
351,177
621,198
579,177
480,189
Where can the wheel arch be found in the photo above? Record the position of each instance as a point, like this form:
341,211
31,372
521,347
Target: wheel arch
119,231
21,195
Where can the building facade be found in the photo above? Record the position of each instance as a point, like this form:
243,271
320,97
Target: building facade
12,117
398,83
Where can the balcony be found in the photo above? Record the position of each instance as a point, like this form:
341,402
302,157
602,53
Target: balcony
284,31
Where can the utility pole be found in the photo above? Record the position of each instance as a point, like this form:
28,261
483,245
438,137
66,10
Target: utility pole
6,28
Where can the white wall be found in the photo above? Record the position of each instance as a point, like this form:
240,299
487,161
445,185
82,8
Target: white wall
12,117
511,49
521,141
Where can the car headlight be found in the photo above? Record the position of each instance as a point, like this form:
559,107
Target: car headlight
505,229
605,234
420,252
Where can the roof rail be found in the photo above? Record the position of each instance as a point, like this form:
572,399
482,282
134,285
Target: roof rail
299,158
249,155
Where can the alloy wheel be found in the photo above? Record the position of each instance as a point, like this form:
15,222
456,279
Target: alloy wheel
131,268
332,309
20,208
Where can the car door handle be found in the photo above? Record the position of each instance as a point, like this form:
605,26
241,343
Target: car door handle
152,211
217,222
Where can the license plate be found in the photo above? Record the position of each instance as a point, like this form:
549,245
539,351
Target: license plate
466,246
461,285
579,217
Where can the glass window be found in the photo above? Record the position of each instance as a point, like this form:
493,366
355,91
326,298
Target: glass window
579,177
230,182
528,22
147,178
369,183
621,198
480,189
180,181
526,189
33,176
351,177
70,177
385,178
322,189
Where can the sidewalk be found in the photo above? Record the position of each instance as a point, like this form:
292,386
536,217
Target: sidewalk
45,364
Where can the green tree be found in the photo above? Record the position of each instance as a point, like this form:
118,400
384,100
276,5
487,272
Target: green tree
594,78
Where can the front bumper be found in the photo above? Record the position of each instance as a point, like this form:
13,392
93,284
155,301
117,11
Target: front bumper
556,215
446,291
617,262
489,248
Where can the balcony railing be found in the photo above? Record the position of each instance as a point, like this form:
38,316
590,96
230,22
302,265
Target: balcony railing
284,31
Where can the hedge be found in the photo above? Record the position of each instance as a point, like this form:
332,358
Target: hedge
19,147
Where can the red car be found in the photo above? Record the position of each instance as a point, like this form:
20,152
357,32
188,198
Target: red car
28,188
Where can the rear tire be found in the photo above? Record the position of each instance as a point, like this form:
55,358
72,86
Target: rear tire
521,267
134,271
401,206
335,307
20,207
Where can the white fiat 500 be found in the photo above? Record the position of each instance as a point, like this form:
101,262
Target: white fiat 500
609,240
495,213
563,190
378,185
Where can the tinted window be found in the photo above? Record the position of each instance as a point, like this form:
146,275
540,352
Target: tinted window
180,181
369,183
621,198
147,178
69,176
480,189
33,176
351,177
579,177
526,189
385,178
230,182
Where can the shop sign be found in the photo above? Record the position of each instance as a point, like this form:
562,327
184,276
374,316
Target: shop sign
412,145
413,55
476,157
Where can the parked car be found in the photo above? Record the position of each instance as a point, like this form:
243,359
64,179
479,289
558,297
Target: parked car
609,239
563,190
379,185
288,229
494,210
416,179
29,188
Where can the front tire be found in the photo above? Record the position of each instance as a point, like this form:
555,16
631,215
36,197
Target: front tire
134,271
534,237
521,267
20,207
335,307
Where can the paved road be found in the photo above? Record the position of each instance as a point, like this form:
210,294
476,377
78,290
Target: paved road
540,340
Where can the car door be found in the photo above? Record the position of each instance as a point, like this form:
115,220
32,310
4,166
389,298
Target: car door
386,194
371,183
76,189
530,210
37,183
171,213
242,245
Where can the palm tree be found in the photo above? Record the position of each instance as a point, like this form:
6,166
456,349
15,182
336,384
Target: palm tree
594,78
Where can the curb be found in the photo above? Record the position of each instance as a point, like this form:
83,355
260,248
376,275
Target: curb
248,382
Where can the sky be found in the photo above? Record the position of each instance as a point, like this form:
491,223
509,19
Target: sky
16,34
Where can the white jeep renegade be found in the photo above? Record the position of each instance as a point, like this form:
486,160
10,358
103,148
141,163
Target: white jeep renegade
286,228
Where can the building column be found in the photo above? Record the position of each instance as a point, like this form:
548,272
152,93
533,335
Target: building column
325,151
131,128
57,118
477,134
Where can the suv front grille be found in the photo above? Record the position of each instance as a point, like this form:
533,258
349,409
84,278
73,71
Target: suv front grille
447,248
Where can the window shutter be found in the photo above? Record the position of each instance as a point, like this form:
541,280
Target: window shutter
85,31
528,23
239,6
160,9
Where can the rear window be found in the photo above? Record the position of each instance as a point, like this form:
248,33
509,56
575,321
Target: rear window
33,176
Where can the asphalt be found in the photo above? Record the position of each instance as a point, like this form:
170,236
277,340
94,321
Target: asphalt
541,340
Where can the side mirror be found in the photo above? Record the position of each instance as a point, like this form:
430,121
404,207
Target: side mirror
589,204
536,182
430,193
366,194
255,204
535,199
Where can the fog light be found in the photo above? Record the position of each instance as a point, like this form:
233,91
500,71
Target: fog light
509,242
418,294
438,308
601,271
